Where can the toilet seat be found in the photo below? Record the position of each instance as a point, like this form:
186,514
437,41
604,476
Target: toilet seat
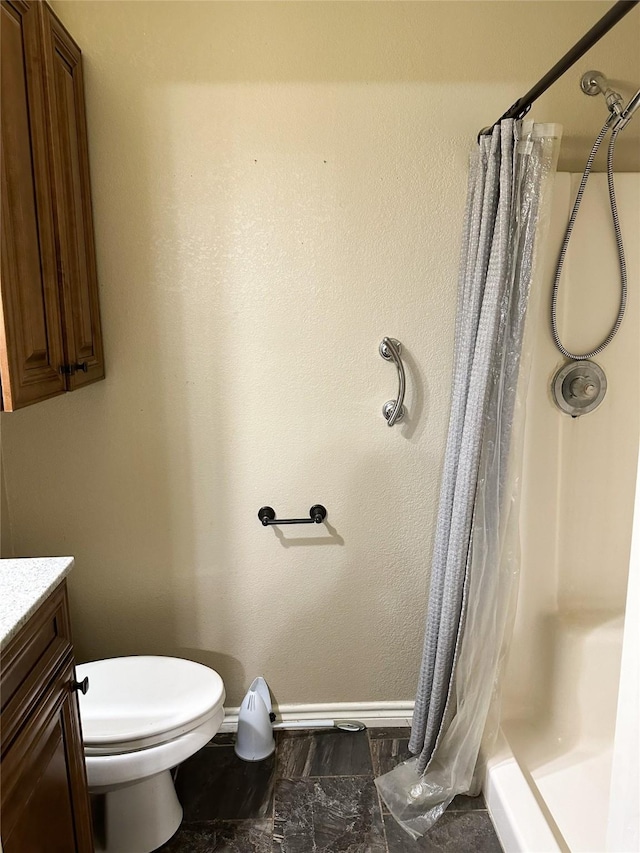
134,703
108,771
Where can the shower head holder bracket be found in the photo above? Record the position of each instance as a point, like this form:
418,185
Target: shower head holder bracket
595,83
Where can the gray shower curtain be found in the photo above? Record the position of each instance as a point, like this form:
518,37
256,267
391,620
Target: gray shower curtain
475,560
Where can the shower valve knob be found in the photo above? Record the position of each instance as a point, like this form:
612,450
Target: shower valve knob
583,388
579,387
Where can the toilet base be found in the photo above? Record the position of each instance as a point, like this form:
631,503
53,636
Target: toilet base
141,817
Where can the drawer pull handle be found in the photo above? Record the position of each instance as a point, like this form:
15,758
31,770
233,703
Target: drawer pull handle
82,686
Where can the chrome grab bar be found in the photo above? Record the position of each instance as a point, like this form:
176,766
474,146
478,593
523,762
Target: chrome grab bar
393,410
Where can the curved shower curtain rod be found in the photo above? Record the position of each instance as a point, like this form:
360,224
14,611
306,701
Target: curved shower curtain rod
609,20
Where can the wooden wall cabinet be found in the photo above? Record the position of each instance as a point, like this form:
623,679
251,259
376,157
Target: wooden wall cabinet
44,796
50,335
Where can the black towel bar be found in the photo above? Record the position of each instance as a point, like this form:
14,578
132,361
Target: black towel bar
267,516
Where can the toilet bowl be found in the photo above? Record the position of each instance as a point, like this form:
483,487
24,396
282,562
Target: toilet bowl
141,717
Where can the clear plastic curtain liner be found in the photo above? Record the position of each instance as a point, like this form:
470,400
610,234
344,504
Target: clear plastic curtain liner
475,560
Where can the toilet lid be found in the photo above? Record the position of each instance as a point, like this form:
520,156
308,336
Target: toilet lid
137,698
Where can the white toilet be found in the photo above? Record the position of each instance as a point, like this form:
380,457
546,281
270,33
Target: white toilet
142,716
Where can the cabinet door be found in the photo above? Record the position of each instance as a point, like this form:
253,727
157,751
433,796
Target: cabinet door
45,804
31,346
74,222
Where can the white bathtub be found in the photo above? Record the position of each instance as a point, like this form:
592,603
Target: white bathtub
548,782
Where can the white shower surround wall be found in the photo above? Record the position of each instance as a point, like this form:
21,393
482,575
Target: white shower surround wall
549,779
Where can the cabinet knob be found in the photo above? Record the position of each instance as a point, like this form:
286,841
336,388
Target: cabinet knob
82,686
70,369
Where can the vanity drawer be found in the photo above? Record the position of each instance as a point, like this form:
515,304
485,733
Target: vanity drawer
31,659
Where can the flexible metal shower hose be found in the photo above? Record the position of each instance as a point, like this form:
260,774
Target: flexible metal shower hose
565,245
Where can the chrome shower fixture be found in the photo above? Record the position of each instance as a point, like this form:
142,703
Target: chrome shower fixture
595,83
579,387
592,83
628,111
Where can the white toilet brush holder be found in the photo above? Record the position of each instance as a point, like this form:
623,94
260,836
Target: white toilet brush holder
254,740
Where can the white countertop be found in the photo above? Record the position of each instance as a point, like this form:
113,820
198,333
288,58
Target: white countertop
24,585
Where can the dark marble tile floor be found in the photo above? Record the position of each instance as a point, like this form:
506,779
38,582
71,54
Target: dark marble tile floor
314,795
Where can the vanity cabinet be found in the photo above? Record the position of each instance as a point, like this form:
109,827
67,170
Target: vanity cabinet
45,802
50,333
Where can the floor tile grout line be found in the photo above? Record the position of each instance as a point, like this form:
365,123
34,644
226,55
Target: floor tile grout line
326,776
218,820
449,810
371,753
273,806
384,828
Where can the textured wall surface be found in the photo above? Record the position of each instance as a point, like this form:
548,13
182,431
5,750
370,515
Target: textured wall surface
6,540
276,187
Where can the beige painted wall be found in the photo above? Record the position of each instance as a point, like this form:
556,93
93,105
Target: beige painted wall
276,187
6,543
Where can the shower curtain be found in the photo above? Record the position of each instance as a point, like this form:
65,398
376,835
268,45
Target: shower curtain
475,557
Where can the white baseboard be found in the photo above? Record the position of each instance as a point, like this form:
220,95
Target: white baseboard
378,714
